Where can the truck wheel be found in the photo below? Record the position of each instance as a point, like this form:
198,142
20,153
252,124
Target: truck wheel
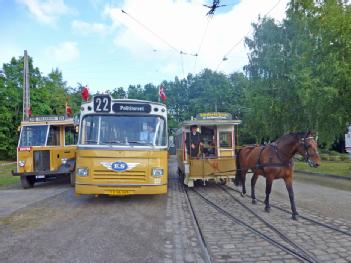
27,181
72,177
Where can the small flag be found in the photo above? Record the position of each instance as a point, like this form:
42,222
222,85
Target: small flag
85,93
68,110
30,112
162,93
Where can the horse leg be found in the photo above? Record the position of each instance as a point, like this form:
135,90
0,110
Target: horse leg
289,187
243,179
269,182
253,183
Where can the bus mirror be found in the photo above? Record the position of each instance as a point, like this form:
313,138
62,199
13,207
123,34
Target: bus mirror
19,128
76,128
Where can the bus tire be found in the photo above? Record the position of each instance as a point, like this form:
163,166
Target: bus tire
72,178
27,181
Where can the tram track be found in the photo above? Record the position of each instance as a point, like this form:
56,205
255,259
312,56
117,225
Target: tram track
297,252
204,246
334,228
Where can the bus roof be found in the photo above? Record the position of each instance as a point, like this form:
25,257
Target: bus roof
132,100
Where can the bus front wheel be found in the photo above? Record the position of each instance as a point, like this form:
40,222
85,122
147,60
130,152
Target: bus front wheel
27,181
72,178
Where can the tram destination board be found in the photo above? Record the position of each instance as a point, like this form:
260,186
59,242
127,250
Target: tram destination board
130,107
102,103
47,118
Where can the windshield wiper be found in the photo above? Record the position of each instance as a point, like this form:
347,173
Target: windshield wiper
111,142
141,142
87,141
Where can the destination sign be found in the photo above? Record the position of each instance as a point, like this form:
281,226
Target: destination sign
214,116
47,118
129,107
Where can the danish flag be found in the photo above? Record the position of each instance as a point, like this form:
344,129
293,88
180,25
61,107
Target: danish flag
162,93
85,93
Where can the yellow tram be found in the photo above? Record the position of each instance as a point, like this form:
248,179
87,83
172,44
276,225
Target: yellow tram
215,157
46,148
122,147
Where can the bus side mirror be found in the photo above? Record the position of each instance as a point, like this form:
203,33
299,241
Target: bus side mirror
76,129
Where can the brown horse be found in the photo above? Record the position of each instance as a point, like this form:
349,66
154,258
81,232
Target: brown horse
274,161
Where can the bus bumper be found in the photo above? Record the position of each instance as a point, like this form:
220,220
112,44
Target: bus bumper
39,174
119,190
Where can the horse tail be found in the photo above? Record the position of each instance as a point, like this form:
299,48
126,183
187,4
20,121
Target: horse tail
238,175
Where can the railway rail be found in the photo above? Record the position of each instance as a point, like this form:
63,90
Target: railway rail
294,249
332,227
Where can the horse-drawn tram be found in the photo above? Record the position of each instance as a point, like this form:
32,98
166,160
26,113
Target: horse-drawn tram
206,148
122,147
46,148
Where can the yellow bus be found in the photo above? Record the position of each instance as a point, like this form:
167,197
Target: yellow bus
215,157
122,147
46,148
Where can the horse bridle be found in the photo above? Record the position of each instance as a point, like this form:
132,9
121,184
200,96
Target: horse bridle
307,155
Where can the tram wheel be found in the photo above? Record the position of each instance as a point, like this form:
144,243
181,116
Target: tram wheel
27,181
222,181
72,178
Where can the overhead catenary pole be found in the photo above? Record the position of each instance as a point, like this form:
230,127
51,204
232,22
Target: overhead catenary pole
26,94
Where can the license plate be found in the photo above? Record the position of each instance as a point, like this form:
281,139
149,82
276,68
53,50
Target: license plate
119,192
40,176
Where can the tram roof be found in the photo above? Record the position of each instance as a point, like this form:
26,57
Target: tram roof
211,122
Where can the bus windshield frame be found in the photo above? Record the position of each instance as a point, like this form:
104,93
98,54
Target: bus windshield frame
123,131
38,135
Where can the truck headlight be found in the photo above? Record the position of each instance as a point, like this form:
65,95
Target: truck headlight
157,172
21,163
82,171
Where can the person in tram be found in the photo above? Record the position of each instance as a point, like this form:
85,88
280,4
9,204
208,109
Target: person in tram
194,142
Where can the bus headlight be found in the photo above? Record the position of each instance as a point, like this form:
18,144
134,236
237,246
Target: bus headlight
82,171
157,172
21,163
64,160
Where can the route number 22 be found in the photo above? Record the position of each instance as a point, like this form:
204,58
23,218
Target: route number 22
102,104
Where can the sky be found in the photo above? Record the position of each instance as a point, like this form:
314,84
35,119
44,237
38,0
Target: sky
94,43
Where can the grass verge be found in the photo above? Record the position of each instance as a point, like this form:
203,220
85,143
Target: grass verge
327,167
6,177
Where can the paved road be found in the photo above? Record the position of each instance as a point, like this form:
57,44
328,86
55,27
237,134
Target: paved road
50,224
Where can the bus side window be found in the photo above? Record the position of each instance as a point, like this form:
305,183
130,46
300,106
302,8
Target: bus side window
54,136
71,136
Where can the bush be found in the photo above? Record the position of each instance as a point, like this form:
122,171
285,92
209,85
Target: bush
324,157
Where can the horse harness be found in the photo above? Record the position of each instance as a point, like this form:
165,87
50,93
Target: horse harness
260,165
281,163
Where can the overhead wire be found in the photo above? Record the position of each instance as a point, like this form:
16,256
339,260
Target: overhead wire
201,41
180,52
225,57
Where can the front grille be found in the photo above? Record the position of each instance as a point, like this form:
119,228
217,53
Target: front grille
120,177
41,161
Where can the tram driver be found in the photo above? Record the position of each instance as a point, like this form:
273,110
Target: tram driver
195,141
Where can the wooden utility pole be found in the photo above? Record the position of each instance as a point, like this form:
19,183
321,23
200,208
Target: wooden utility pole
26,94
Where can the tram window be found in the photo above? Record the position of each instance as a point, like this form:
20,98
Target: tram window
225,139
54,136
71,136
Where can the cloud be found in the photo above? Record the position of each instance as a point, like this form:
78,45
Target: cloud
46,11
64,52
86,28
180,25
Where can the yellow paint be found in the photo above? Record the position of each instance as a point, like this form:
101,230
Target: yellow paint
138,180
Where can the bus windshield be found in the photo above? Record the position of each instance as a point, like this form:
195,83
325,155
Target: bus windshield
33,135
117,130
